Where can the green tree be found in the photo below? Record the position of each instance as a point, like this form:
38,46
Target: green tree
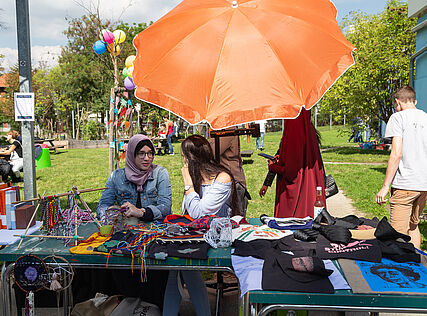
52,107
384,45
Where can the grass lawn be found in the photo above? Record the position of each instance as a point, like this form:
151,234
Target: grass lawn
88,168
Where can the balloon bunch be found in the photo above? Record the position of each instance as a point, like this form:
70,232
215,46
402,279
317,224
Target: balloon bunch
127,72
109,41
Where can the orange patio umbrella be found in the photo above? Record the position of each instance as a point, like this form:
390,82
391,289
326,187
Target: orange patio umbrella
231,62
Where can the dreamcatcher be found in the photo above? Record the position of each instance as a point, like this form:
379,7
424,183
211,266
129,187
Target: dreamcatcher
59,275
30,274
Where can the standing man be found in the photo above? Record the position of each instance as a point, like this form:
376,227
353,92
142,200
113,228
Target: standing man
262,125
170,132
407,167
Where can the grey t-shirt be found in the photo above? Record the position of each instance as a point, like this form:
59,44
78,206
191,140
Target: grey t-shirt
411,125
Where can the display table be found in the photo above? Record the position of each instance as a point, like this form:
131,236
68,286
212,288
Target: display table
219,260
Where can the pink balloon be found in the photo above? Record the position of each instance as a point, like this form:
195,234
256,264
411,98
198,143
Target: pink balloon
108,37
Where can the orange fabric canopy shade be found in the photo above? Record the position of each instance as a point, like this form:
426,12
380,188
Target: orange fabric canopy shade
232,62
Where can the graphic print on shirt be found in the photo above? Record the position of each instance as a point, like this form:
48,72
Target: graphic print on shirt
350,247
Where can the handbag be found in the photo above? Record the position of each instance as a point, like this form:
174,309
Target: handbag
331,187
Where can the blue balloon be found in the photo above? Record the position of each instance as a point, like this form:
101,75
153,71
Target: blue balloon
99,47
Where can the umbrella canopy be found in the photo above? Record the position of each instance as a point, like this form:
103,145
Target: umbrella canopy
232,62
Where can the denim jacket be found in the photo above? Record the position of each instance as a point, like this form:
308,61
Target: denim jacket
156,193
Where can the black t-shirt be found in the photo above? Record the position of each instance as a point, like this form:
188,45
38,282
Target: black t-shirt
18,148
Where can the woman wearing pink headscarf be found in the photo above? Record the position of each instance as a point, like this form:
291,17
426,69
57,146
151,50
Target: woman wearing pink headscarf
142,187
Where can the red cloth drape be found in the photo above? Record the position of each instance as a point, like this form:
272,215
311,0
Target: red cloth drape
299,169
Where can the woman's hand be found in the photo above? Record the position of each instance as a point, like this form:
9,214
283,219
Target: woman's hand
186,175
132,210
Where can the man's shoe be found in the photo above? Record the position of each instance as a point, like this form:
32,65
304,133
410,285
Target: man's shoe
171,154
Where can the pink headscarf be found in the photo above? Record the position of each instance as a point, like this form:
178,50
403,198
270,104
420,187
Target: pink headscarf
133,173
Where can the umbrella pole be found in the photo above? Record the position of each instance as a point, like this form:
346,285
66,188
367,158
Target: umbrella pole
217,140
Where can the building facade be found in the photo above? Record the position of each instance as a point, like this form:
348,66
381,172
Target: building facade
418,68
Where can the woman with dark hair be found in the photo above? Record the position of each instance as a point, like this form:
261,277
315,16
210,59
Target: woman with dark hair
209,190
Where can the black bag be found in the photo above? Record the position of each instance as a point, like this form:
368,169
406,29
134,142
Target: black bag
331,187
5,168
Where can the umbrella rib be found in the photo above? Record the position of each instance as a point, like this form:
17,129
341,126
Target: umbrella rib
171,49
303,21
269,44
216,70
307,22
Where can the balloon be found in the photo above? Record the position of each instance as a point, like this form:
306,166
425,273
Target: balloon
129,61
119,36
102,33
124,72
99,47
107,36
130,72
129,83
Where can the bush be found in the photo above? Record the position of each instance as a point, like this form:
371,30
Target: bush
92,130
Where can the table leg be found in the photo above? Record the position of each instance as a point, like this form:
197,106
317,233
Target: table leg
245,306
53,145
3,302
219,292
5,283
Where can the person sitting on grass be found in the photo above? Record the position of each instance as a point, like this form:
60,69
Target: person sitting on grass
209,190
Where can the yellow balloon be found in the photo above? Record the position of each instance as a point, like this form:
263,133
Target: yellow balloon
119,36
129,61
130,71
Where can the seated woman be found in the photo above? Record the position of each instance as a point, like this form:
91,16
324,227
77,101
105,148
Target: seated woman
162,131
144,189
15,153
209,190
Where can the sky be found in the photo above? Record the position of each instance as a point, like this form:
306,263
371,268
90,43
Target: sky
48,21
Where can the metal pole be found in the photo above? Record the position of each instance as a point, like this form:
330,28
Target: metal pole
107,119
111,133
344,117
25,85
315,117
330,121
72,120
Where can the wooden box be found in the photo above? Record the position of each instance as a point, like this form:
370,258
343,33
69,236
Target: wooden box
23,215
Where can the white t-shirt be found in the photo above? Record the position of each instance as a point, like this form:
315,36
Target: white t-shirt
411,125
261,125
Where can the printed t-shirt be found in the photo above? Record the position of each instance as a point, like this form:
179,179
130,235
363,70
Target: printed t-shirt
367,250
411,126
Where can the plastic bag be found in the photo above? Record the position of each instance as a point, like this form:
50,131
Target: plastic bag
219,233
